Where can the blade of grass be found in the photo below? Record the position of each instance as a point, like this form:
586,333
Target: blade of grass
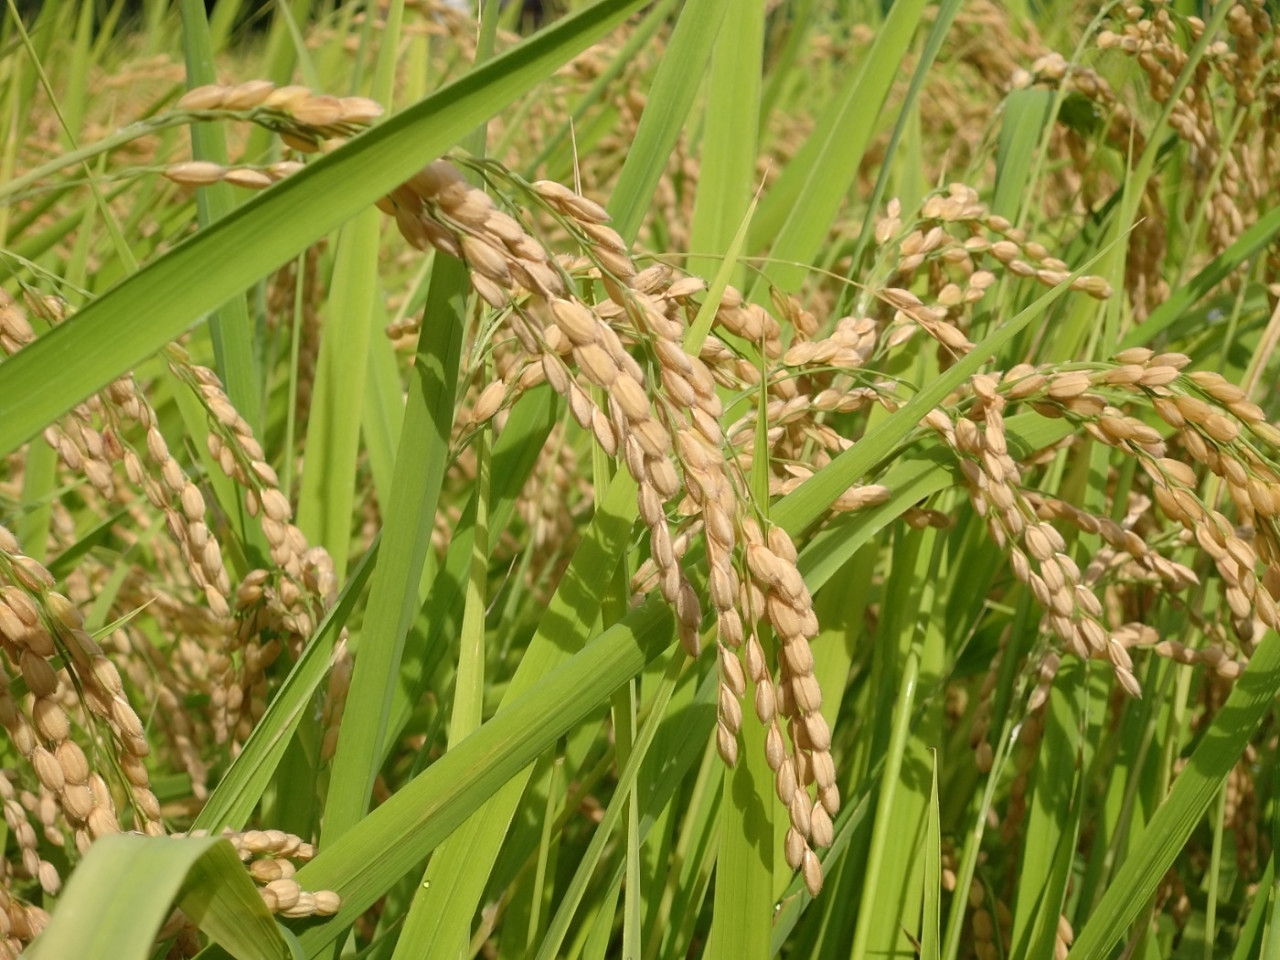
670,100
1212,891
1026,112
76,87
327,496
1245,247
121,892
674,758
797,27
797,212
39,476
10,230
421,459
632,921
514,454
697,830
383,410
931,924
564,627
595,94
746,849
1053,816
378,850
1251,943
625,788
600,929
1193,792
468,698
729,136
428,929
742,909
548,858
909,601
102,534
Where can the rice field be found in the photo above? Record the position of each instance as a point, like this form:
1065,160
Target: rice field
639,480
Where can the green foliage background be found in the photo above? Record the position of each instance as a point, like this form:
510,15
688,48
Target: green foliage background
526,716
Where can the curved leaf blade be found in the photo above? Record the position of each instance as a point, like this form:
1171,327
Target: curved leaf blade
123,889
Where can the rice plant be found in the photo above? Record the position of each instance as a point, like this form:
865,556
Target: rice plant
639,480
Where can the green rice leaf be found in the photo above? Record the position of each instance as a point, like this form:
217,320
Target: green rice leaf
123,889
1168,831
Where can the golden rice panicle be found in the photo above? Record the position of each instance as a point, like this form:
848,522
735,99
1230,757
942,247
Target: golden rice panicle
15,329
20,923
1037,551
36,623
303,119
750,321
1145,284
284,604
231,442
1214,419
674,446
1228,190
803,323
1045,673
271,857
991,934
335,699
629,430
1231,160
1123,548
199,173
568,337
1212,658
823,376
275,611
1063,938
948,258
776,592
20,827
167,682
92,439
1211,417
438,208
714,491
170,490
692,413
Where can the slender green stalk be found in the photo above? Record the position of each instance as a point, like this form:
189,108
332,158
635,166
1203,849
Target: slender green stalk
1212,892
